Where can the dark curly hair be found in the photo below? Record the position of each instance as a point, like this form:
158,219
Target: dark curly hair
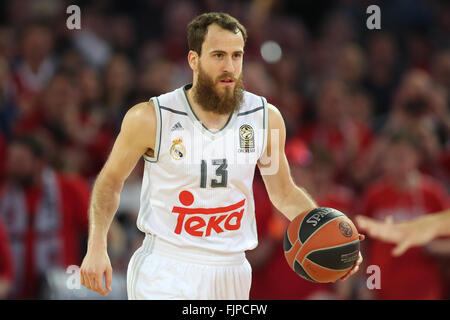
197,28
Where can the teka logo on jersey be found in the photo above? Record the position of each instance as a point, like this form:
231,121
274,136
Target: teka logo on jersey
200,222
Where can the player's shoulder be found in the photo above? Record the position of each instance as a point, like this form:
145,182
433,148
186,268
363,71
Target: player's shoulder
249,96
142,113
273,111
171,95
174,99
254,101
276,120
139,125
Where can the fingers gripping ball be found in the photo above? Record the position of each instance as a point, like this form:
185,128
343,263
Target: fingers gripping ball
321,245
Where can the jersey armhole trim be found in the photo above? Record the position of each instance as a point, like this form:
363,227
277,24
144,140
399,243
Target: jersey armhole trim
265,126
158,133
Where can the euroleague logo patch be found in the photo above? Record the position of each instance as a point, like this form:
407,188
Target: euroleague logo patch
246,139
345,229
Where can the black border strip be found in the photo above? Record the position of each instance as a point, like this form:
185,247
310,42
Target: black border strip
174,111
250,111
227,309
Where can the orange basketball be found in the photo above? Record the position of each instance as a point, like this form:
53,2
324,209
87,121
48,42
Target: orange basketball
321,245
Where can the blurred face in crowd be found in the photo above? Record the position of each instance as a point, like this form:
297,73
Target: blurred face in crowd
351,64
59,95
160,69
118,75
413,96
401,160
441,68
22,165
330,103
36,45
218,83
90,88
382,51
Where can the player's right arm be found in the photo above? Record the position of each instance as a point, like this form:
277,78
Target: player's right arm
136,137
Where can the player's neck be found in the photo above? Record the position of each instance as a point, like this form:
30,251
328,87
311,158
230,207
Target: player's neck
212,120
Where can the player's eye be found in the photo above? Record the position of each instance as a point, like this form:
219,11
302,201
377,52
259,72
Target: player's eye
219,55
237,55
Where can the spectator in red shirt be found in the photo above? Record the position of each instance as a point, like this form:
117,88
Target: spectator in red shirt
35,64
318,175
84,136
6,263
403,193
334,130
45,213
421,108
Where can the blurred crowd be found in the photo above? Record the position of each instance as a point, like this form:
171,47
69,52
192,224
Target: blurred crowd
366,111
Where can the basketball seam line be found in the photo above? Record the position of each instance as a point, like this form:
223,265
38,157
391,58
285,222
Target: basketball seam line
306,257
325,267
300,225
306,240
340,245
298,238
295,258
331,269
304,270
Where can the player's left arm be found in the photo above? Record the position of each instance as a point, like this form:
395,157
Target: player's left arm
285,195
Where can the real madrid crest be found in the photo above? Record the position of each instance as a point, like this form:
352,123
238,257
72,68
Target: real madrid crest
177,150
246,139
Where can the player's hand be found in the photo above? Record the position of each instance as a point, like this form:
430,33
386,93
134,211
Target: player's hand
404,234
95,264
355,268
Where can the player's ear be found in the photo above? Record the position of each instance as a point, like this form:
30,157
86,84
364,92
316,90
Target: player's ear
193,60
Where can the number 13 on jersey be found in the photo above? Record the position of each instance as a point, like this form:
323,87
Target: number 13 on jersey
221,171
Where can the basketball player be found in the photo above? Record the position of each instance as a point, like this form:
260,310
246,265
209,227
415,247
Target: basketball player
197,214
416,232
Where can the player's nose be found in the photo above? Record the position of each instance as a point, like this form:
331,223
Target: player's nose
228,66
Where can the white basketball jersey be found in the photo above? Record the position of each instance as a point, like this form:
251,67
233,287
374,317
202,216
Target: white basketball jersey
197,188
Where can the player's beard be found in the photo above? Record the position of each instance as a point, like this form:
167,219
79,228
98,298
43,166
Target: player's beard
208,97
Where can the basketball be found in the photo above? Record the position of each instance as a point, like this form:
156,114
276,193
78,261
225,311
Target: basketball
321,245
